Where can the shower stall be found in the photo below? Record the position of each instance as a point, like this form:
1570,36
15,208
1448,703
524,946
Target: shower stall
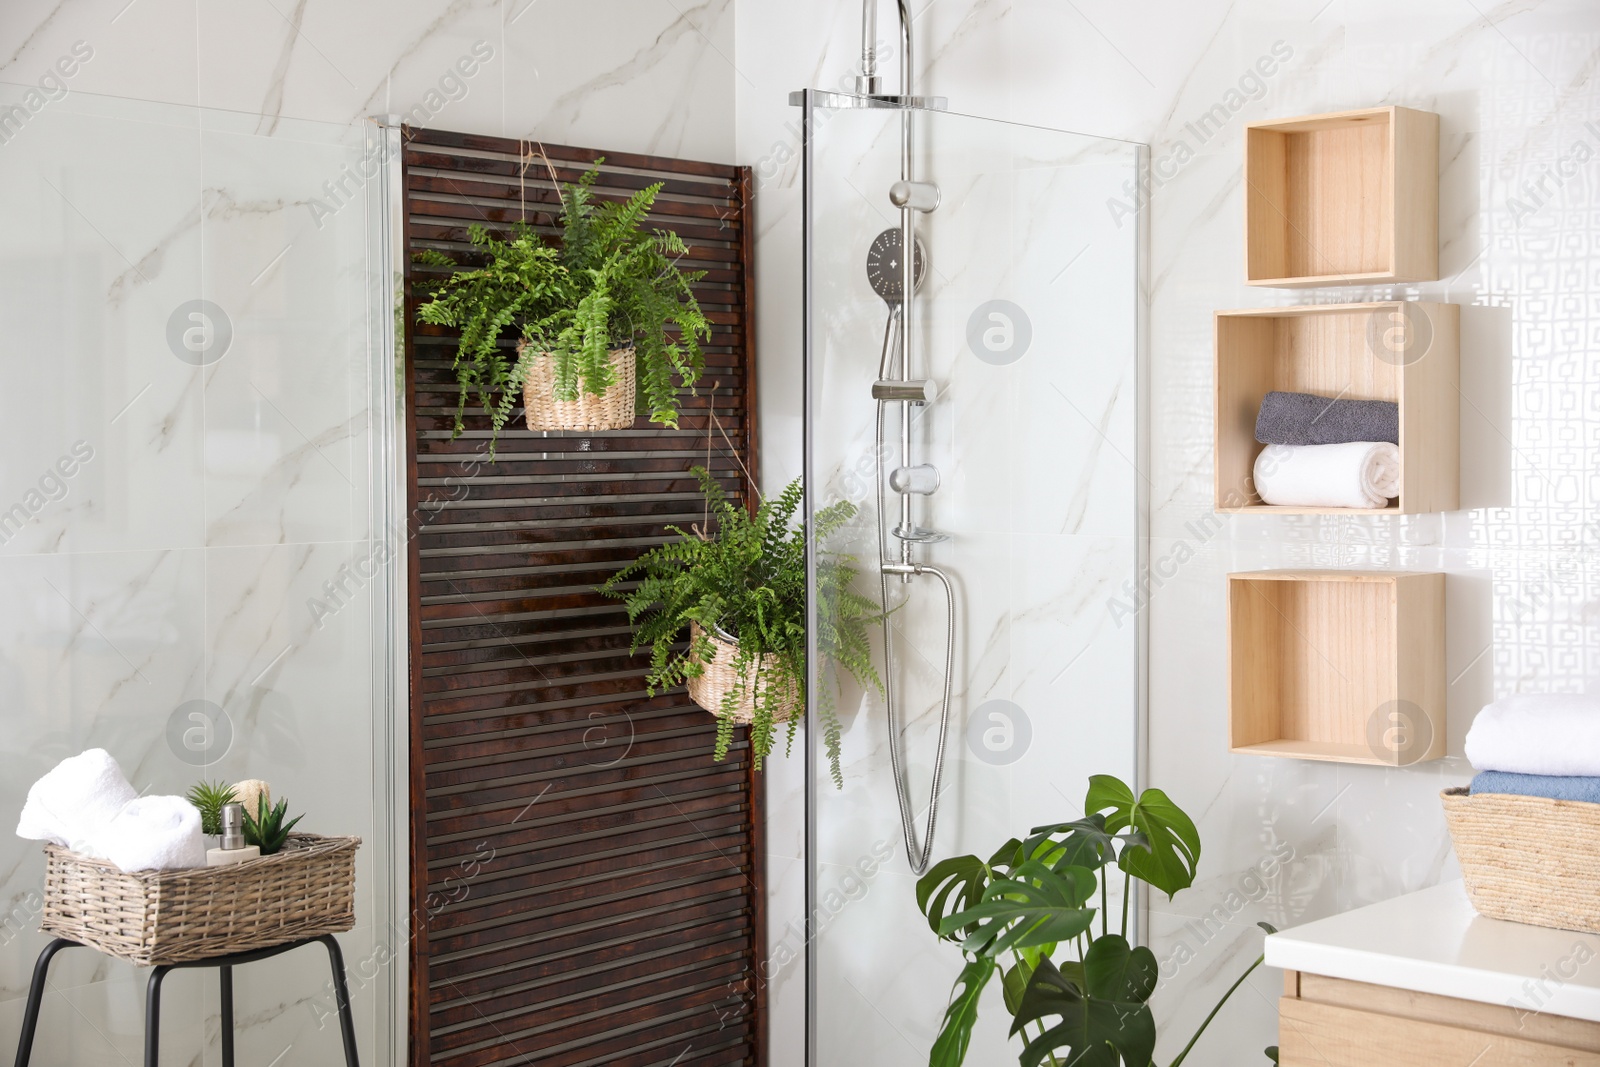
979,402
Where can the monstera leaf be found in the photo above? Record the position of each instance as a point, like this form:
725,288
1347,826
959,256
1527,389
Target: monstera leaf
1114,970
1014,982
1007,856
950,1047
1081,843
1167,846
1038,905
1092,1031
953,885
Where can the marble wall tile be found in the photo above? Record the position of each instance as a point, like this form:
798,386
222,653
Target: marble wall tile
285,408
100,258
144,50
570,83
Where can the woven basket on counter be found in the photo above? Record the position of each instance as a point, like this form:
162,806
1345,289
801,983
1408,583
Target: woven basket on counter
1528,859
159,917
611,410
719,678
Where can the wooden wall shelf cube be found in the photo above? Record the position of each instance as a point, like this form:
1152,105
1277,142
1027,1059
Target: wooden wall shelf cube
1405,351
1346,198
1337,665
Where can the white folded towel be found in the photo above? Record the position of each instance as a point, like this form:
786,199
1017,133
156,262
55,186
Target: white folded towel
1550,733
1358,474
154,834
75,800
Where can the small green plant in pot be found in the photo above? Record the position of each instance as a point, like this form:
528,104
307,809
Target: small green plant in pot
723,610
265,827
1027,915
210,798
576,329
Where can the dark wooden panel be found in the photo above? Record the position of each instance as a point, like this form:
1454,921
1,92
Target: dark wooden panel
586,880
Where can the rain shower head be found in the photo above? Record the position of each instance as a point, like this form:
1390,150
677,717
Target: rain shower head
883,266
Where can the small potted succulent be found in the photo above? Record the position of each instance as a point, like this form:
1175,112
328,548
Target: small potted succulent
737,591
602,318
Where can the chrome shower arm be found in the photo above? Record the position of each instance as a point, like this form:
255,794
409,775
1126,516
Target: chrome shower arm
907,55
867,82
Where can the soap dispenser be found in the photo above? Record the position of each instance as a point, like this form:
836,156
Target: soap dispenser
233,849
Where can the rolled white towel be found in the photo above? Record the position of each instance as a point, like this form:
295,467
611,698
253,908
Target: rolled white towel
1548,733
71,803
154,834
1359,474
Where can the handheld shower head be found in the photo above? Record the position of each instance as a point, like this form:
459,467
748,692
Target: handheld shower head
883,266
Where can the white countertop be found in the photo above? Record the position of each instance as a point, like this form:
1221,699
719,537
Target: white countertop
1433,942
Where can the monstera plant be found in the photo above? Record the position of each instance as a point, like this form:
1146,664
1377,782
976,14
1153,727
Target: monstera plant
1076,995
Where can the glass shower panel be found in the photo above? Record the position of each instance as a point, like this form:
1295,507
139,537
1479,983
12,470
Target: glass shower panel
191,543
1028,325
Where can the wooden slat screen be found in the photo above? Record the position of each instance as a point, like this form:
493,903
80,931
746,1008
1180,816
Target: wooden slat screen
586,881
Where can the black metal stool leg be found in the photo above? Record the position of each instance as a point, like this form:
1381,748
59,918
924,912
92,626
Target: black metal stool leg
226,978
30,1017
152,1018
347,1026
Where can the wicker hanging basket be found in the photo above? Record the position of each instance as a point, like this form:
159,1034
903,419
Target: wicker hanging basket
719,679
159,917
1528,859
611,410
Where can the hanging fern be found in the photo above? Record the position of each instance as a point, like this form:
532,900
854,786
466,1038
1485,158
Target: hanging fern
748,579
605,285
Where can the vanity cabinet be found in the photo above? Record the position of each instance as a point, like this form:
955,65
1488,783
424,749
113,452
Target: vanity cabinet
1331,1022
1422,980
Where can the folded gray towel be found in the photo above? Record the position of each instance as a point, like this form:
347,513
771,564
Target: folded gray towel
1304,419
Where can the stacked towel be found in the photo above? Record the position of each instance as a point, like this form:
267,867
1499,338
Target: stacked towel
1539,745
1357,474
85,804
1327,452
1554,733
1556,787
1305,419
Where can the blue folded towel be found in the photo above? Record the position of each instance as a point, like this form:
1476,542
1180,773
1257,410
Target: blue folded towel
1554,786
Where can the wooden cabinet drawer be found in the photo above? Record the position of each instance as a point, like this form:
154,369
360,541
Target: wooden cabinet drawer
1328,1035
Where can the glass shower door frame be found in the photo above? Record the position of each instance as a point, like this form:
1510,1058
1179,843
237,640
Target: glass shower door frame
811,103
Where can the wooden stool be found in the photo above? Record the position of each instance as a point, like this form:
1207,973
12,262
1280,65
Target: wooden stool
152,1003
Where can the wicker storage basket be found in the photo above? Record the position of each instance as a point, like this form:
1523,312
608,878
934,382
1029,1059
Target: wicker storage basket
719,678
611,410
161,917
1528,859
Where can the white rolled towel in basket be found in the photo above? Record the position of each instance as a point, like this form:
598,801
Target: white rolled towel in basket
85,804
72,803
1358,474
154,834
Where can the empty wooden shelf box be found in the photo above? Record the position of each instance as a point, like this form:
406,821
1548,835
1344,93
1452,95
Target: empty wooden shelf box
1346,198
1337,665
